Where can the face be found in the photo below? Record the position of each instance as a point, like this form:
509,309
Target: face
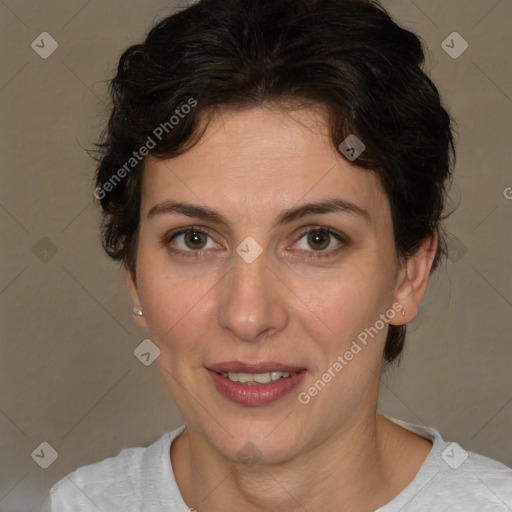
241,278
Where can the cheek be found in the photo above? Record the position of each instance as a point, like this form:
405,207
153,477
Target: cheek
174,304
347,300
349,338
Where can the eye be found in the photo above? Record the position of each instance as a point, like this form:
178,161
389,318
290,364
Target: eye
320,239
190,241
193,241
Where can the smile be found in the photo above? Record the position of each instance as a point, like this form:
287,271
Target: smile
255,384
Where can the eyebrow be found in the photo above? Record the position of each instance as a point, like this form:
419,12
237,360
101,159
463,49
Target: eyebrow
286,217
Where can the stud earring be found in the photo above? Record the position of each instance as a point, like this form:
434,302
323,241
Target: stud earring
403,312
138,312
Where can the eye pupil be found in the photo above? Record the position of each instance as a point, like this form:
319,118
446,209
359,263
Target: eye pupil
315,237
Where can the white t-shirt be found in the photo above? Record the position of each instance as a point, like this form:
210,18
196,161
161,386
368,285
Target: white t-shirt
142,480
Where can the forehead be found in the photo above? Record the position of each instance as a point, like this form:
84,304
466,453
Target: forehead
265,160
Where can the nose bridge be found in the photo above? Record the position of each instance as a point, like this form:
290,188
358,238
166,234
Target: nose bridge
251,303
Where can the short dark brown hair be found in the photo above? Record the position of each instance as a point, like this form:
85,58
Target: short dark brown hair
348,56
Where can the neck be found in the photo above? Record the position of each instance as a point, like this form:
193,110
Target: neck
349,471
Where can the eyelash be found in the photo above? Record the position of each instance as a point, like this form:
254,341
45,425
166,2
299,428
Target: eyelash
169,237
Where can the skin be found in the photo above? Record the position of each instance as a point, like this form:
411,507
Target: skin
334,453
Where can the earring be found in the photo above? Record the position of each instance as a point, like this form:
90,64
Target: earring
403,312
138,312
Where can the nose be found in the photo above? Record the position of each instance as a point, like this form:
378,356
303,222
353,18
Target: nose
252,304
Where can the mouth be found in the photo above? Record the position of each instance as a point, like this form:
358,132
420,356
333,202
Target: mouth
255,384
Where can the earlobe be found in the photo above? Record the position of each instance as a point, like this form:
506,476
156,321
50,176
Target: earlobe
138,311
413,280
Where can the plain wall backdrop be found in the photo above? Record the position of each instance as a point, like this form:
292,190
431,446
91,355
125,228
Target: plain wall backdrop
68,374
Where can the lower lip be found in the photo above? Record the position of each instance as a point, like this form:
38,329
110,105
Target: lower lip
260,394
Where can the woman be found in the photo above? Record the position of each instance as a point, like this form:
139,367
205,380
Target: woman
273,180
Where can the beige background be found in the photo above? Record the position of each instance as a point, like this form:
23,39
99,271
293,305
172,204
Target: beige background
68,374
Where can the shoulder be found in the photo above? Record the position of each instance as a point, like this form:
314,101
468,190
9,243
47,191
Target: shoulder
474,477
452,478
466,481
115,483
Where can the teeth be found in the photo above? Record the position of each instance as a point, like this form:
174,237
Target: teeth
252,379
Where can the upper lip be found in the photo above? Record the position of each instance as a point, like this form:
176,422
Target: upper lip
241,367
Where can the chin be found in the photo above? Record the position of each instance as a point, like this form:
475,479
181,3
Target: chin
251,441
249,451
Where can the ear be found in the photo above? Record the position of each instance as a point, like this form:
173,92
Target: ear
132,286
413,278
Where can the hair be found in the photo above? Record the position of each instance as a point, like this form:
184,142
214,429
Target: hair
347,56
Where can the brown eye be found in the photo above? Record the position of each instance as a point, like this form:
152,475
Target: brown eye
195,239
189,241
318,240
321,242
